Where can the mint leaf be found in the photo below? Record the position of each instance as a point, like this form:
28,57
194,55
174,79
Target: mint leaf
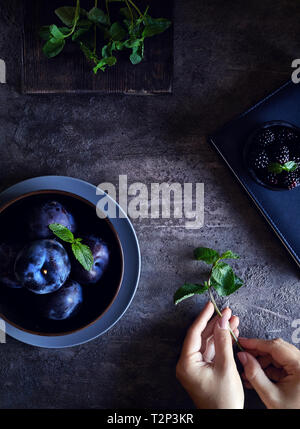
117,32
275,167
228,288
137,55
229,255
83,26
97,16
290,166
223,279
53,47
44,32
125,12
62,232
207,255
104,62
54,30
237,282
188,290
66,15
83,254
155,26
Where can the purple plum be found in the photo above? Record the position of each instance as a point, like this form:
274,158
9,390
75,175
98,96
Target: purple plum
101,259
8,254
64,303
42,266
44,214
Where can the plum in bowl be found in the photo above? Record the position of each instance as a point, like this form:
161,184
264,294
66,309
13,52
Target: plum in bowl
43,288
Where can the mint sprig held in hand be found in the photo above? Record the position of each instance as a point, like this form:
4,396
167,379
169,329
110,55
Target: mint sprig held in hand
221,278
88,28
81,251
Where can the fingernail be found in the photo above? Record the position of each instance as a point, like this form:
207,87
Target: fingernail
242,357
223,322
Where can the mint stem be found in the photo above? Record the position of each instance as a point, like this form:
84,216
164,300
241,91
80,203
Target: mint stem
136,8
220,314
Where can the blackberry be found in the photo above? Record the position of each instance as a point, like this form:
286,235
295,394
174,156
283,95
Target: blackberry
268,178
280,153
265,138
259,159
271,179
290,180
295,156
286,135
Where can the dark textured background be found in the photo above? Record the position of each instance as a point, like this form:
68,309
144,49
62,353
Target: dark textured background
228,55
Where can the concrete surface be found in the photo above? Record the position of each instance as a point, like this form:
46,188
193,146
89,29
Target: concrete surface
228,55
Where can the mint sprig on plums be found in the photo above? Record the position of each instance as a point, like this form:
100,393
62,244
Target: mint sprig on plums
221,278
81,251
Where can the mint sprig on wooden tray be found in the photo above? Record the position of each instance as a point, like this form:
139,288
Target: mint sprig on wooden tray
221,278
95,27
81,251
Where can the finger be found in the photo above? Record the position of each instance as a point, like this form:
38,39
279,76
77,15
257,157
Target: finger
275,374
209,352
192,342
223,344
282,352
247,385
236,333
209,330
265,361
256,376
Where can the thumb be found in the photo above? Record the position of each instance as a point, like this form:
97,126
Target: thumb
256,376
223,342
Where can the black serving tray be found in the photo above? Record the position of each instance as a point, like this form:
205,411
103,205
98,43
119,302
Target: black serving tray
281,208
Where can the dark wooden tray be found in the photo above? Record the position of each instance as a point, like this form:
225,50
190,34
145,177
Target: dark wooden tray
70,72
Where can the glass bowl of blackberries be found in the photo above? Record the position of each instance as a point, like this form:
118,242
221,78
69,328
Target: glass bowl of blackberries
272,155
61,266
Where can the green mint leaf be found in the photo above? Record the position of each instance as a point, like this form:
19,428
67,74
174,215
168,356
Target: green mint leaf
275,167
97,16
126,13
55,31
120,45
66,15
62,232
83,26
117,32
44,32
207,255
104,62
237,282
136,56
223,279
188,290
53,47
83,254
155,26
229,255
88,53
108,49
290,166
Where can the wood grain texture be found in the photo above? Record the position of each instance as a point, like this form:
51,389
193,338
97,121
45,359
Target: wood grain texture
70,72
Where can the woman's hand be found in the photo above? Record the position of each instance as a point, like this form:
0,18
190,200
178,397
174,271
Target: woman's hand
274,360
206,367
